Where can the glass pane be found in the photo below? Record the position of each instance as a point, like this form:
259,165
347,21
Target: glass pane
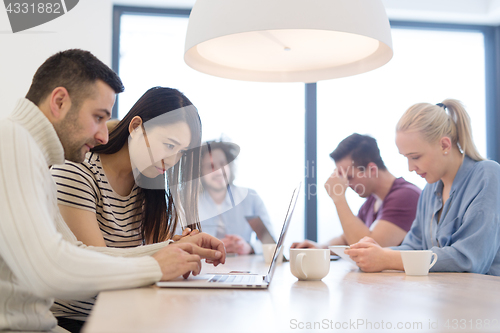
265,119
428,66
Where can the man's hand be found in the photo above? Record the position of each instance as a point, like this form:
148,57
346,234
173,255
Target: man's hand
307,244
207,247
336,185
186,232
178,259
236,244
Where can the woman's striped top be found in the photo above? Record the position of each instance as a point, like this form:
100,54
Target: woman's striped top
85,186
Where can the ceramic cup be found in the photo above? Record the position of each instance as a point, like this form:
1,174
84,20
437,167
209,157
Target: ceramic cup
310,264
418,262
268,253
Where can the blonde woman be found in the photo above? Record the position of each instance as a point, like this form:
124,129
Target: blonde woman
458,213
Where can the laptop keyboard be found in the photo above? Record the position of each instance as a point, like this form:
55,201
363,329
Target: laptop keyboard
243,279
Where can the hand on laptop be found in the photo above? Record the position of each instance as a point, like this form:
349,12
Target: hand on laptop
236,244
178,259
185,232
307,244
207,247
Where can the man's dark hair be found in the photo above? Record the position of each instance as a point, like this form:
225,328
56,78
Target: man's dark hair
362,149
76,70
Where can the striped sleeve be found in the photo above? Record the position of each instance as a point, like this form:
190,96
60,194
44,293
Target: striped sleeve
76,186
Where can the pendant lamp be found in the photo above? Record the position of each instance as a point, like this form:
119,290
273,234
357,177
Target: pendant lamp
287,40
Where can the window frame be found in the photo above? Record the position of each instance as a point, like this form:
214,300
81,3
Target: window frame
492,99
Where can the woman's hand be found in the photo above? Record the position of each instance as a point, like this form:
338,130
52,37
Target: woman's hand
369,256
211,244
367,239
186,232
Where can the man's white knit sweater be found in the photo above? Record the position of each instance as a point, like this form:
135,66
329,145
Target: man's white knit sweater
40,258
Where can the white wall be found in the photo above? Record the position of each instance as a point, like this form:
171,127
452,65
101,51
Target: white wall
87,26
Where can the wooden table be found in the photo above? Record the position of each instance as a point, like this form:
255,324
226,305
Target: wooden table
346,300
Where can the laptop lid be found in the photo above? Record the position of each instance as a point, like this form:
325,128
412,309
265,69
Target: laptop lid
284,229
202,281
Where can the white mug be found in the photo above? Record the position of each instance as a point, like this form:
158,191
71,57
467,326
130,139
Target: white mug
268,253
418,262
309,264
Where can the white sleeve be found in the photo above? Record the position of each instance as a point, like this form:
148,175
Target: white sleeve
138,251
30,245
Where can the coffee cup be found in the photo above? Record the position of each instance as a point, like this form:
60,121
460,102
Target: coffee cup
418,262
268,253
310,264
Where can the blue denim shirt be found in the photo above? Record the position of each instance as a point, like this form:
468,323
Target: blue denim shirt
467,236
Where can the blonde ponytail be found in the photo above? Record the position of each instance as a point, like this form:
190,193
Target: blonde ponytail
449,119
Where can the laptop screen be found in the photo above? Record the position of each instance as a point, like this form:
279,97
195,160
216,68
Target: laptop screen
279,245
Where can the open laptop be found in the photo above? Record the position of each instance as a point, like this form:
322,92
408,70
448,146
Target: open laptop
263,234
239,280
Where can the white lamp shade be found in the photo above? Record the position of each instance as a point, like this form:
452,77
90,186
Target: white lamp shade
287,40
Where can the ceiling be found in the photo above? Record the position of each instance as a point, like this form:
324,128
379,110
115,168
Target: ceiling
451,11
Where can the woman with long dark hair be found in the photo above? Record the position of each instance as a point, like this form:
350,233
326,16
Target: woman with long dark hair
136,188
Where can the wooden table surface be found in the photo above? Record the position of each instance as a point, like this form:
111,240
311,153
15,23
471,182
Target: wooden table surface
346,300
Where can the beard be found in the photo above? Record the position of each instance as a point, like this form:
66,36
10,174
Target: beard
67,131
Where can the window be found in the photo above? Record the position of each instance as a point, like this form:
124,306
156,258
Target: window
428,66
267,119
